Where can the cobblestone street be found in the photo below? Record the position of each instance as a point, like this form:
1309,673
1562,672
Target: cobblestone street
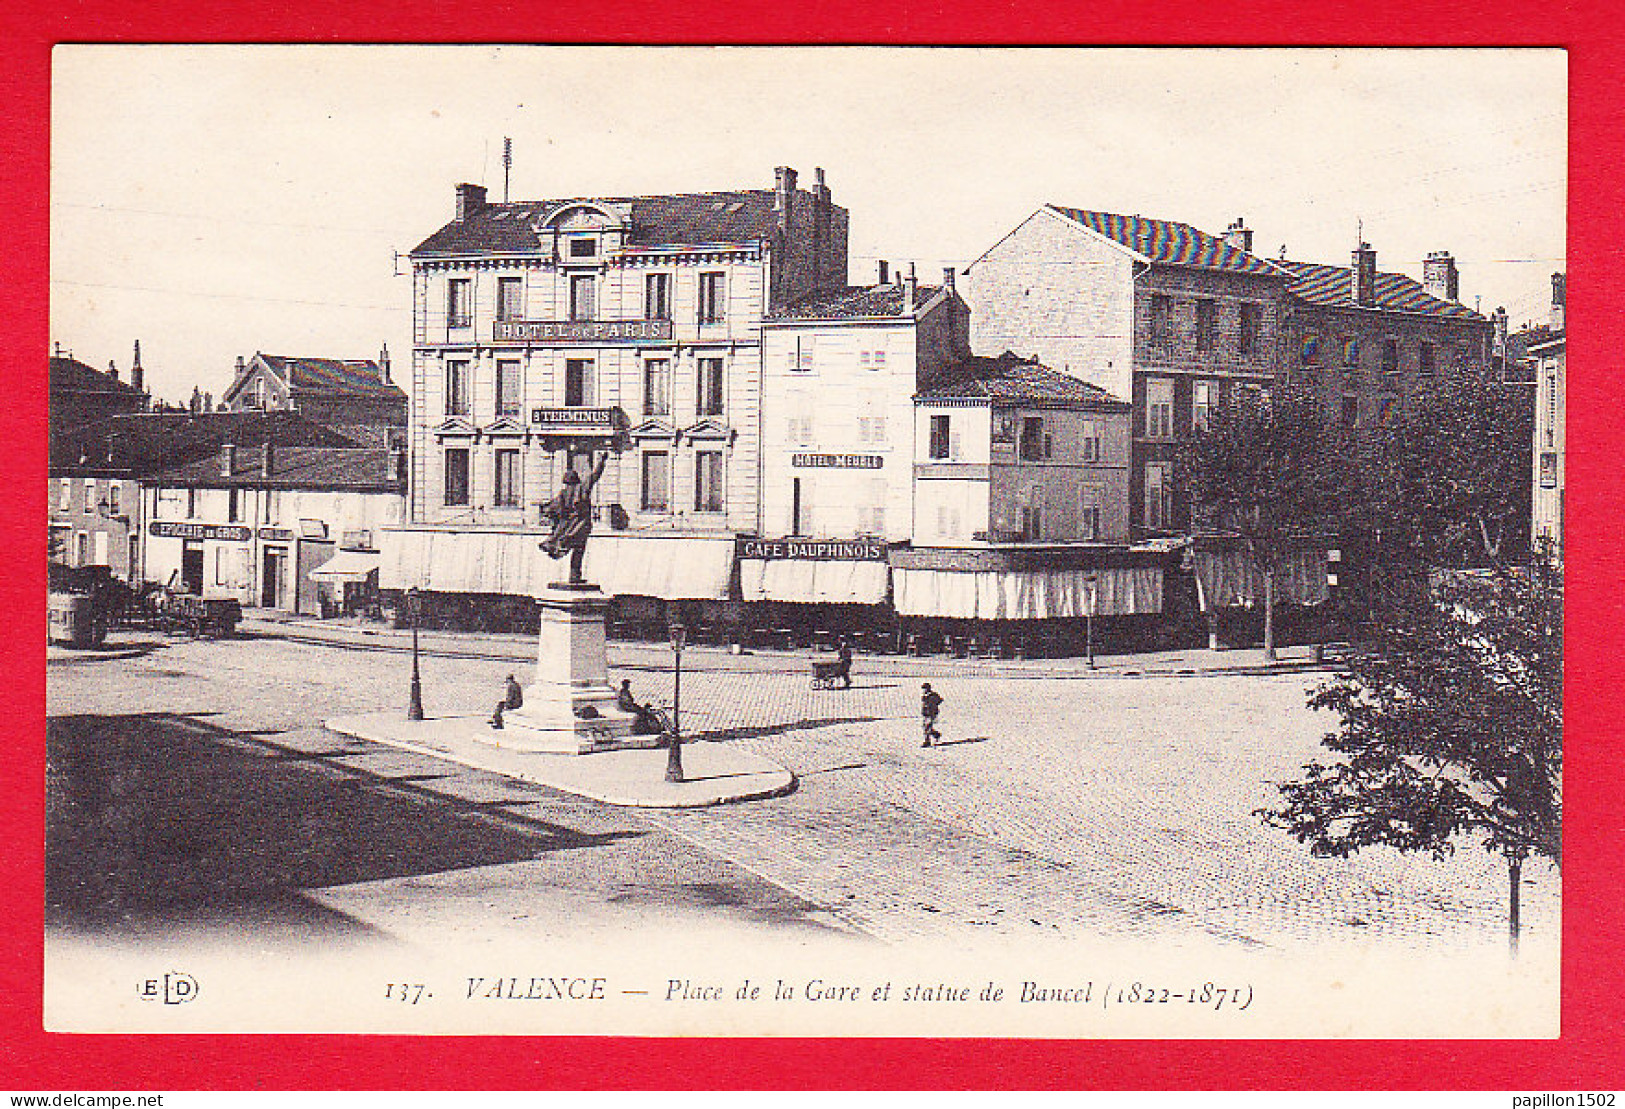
1057,806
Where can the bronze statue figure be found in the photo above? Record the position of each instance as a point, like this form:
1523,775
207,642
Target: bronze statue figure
571,513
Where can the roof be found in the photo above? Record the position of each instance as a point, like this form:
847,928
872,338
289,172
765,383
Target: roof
1169,243
147,441
68,374
845,302
1329,286
361,469
332,375
1013,379
1521,343
685,219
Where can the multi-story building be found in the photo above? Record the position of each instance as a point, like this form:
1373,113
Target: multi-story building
641,317
1363,339
1151,311
92,497
81,394
355,392
260,524
1550,372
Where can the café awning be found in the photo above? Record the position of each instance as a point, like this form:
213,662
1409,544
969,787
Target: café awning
813,581
1228,577
1027,594
347,566
674,568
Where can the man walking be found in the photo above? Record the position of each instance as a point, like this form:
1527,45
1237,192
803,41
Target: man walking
930,705
843,658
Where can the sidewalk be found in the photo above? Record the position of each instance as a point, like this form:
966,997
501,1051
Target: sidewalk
1191,662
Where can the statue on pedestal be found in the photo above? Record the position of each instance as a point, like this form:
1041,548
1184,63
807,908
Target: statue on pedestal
571,513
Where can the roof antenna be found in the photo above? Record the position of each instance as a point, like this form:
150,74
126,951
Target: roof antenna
507,164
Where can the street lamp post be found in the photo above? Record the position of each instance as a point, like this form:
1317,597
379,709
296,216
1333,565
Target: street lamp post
414,609
674,753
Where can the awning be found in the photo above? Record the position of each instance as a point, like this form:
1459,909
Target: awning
813,580
684,568
1027,594
347,566
447,561
1228,577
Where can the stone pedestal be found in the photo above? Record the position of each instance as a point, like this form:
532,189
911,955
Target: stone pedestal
569,706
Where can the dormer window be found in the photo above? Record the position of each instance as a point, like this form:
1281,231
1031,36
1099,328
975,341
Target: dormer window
583,247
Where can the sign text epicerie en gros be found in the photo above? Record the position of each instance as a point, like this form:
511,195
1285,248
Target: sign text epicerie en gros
838,461
580,331
824,550
231,533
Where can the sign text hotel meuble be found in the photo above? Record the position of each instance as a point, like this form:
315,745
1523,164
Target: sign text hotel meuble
580,331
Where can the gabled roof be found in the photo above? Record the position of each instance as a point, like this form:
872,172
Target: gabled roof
71,375
1521,343
354,376
1329,286
845,302
360,469
687,219
1012,379
146,441
1169,243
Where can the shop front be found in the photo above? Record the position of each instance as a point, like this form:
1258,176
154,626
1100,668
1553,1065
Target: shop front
810,592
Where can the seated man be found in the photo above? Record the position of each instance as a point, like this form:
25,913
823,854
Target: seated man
646,723
513,697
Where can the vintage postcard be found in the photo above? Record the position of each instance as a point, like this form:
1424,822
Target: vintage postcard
853,542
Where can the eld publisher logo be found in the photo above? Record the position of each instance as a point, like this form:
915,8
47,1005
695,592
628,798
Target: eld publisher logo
174,988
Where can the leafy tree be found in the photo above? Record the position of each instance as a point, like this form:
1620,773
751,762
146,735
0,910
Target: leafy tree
1451,725
1268,468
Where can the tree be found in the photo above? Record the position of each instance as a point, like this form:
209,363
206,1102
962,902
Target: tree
1269,468
1450,725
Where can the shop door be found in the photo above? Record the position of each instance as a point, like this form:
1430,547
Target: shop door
192,567
273,582
313,555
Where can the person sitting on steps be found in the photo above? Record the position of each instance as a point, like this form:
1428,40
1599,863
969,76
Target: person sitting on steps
512,697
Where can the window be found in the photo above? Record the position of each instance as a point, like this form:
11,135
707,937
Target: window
459,302
872,430
256,393
456,388
1158,496
1035,443
1390,356
947,521
83,549
1162,321
1351,411
1549,431
234,505
1203,397
509,377
1159,408
708,481
1091,500
1089,441
657,387
577,382
273,504
507,479
583,248
1386,409
1207,324
1251,325
456,475
709,389
656,492
801,430
939,436
657,296
89,507
100,543
64,497
583,296
1351,353
191,504
1310,352
1424,359
712,286
1032,513
1548,469
872,359
510,298
113,488
222,569
801,355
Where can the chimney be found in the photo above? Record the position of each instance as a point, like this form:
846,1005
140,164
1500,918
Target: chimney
267,460
196,403
383,364
57,352
208,402
228,459
909,285
1439,276
112,369
885,273
1239,235
948,278
1559,292
784,189
1499,319
137,377
241,365
1364,264
470,199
